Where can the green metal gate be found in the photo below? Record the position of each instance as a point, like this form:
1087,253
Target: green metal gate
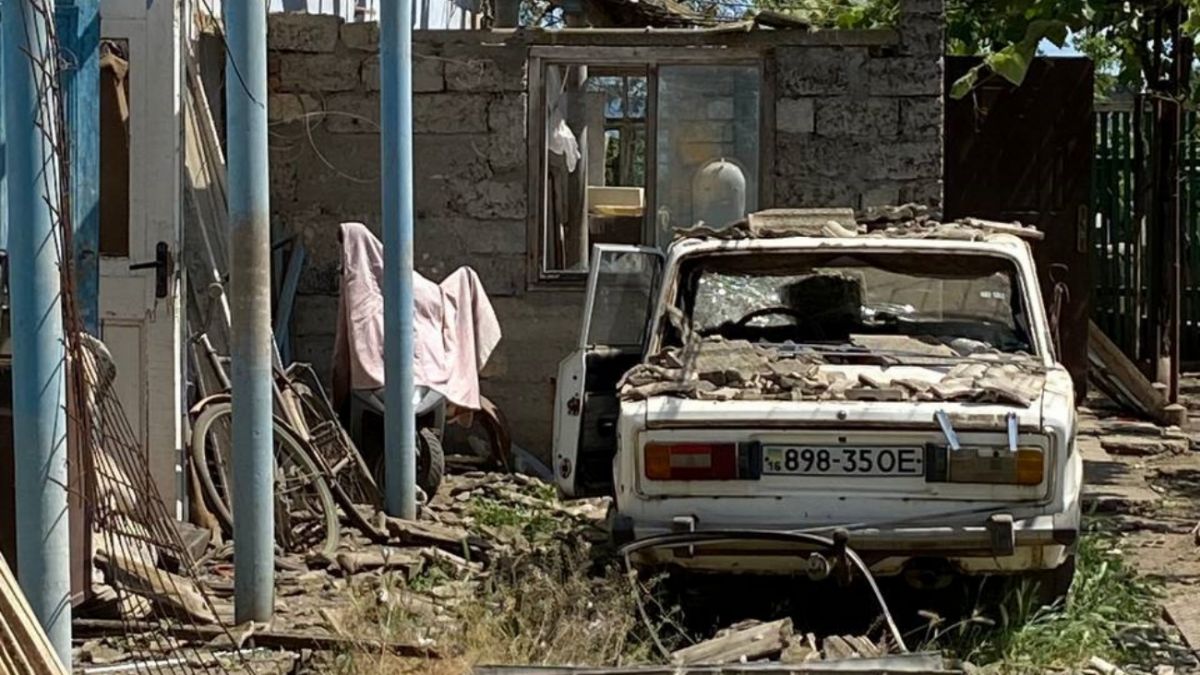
1117,235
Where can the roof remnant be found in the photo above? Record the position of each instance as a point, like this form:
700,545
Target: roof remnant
643,14
906,221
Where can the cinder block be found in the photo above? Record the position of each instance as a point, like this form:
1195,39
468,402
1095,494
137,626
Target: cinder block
795,115
318,73
295,32
450,113
855,116
361,35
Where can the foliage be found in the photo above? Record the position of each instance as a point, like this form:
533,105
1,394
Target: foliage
843,14
1117,35
1020,635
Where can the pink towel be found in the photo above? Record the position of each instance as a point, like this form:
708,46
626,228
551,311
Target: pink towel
455,327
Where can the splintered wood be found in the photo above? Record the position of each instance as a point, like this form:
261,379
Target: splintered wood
751,641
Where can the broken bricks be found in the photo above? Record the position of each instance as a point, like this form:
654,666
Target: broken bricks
718,369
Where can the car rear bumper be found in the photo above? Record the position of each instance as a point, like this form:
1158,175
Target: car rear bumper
995,545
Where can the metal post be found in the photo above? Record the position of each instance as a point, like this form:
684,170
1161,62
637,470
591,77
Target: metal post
250,290
400,432
39,393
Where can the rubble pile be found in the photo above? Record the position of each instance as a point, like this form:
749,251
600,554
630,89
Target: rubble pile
476,522
717,369
905,221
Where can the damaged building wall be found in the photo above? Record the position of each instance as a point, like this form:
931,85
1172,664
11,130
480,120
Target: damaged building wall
861,125
854,119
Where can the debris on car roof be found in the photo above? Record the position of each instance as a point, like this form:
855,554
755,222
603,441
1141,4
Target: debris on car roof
717,369
914,221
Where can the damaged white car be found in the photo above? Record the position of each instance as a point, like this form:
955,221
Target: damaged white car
894,382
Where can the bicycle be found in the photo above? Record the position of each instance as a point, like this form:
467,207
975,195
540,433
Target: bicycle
318,467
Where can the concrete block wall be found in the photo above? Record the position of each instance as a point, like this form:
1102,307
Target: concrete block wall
856,122
861,125
471,158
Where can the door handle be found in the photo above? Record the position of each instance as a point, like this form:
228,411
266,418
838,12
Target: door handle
163,266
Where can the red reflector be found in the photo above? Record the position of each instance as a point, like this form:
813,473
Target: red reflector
691,461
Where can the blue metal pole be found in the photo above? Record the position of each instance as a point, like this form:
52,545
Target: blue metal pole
250,291
39,387
400,432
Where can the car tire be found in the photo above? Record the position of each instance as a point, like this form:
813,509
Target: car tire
431,461
1053,585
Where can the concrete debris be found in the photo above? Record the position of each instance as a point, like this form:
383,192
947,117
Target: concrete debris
719,369
1143,446
905,221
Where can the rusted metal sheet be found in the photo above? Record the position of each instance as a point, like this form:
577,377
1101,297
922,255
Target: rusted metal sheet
1025,153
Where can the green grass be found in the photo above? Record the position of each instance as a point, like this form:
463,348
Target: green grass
1020,636
530,522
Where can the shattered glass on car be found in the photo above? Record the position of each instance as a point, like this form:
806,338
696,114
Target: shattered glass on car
902,301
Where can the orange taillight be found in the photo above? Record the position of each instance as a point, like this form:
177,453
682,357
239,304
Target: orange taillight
691,461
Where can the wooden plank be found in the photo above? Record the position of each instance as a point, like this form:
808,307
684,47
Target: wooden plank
280,639
139,577
287,299
748,644
24,647
1120,377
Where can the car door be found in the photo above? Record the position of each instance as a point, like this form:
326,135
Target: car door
621,291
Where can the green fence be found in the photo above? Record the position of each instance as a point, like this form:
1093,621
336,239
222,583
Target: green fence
1120,267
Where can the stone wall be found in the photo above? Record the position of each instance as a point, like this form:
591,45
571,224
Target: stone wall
857,121
861,125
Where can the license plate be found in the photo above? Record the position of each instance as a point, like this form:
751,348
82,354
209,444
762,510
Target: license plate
812,460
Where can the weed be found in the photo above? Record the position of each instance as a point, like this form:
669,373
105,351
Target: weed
1019,635
530,522
549,607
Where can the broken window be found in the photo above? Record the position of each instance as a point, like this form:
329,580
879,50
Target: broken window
114,148
905,300
631,151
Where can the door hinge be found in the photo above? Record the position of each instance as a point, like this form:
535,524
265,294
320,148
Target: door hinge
163,266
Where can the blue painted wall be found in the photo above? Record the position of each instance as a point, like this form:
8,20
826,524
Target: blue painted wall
78,25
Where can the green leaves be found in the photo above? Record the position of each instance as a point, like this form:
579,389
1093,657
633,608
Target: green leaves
1012,62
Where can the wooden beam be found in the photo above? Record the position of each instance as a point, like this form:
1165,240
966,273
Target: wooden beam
277,639
24,647
1119,378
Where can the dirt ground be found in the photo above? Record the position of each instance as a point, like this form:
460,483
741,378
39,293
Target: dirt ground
1144,482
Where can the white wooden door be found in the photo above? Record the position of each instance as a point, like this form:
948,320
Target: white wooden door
139,321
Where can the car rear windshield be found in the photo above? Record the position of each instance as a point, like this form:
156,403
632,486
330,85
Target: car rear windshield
931,302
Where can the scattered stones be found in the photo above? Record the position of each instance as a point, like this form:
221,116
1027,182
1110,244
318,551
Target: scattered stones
1143,445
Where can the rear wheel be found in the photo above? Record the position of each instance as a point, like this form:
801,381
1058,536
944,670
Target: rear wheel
305,513
1053,585
431,461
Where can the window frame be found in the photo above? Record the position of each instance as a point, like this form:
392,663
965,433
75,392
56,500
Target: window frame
651,59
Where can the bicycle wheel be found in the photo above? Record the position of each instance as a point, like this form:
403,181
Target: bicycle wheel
306,516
